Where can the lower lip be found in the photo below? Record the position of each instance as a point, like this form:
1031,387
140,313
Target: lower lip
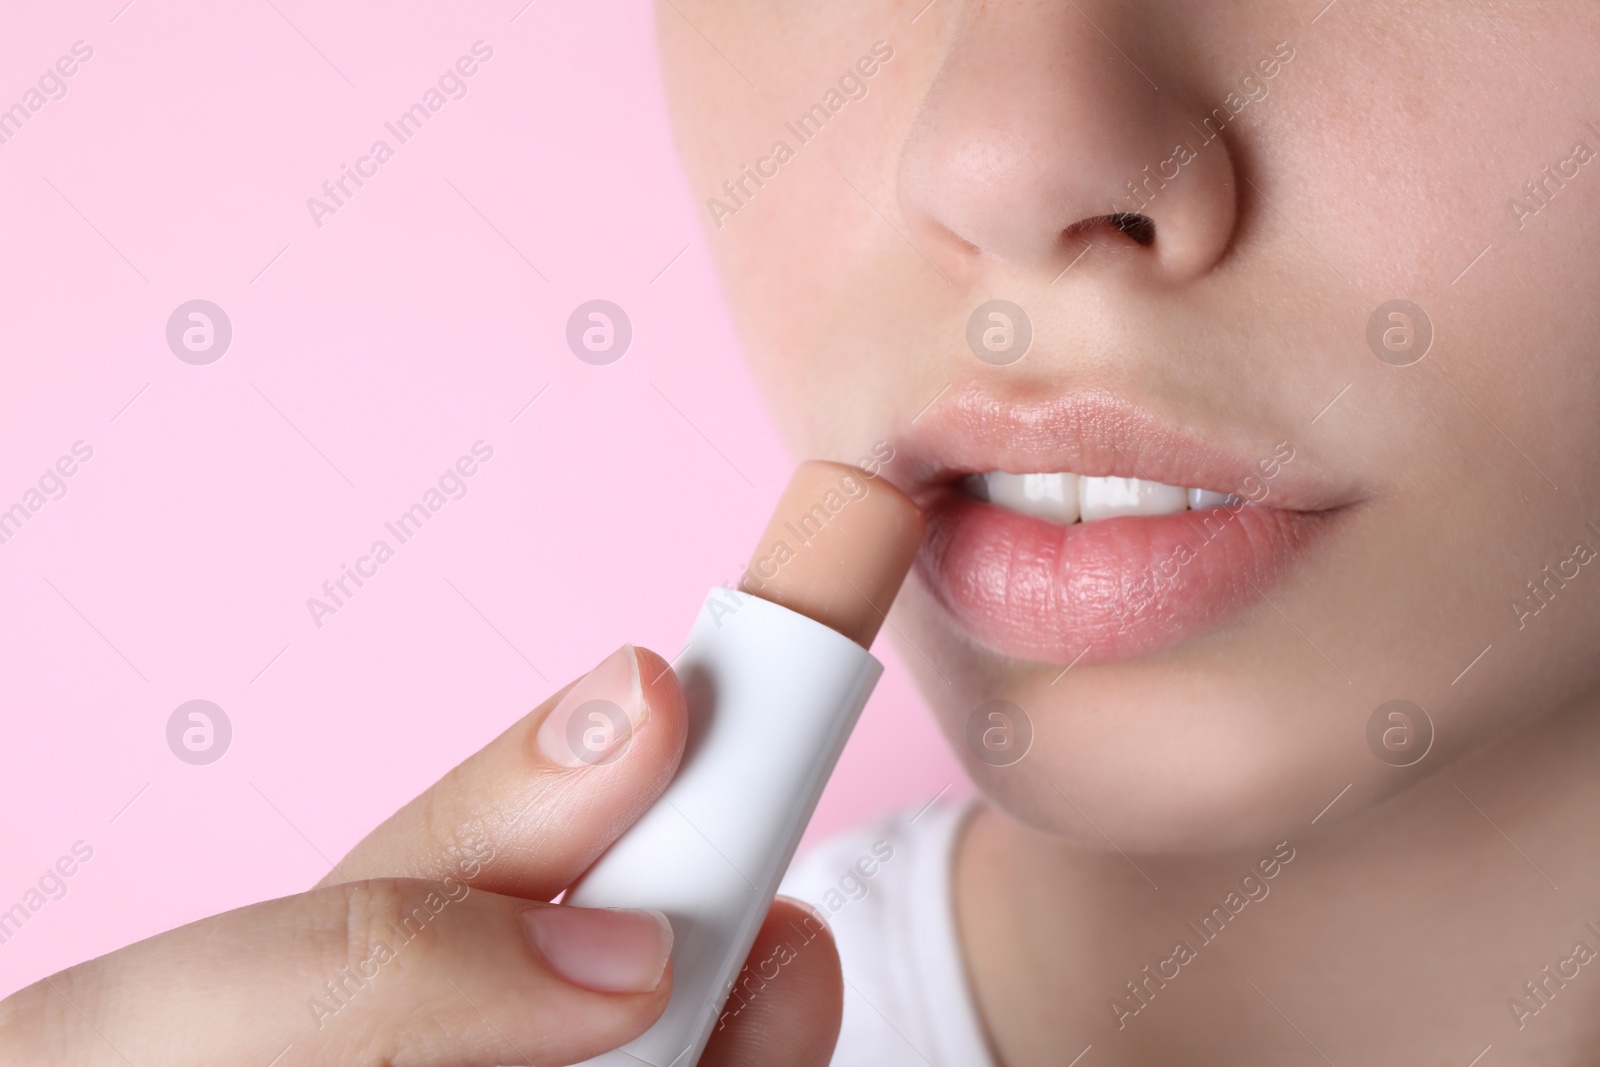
1103,591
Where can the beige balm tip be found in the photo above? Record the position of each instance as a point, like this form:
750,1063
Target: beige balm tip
837,548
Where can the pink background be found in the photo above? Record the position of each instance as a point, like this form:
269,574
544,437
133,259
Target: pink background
178,564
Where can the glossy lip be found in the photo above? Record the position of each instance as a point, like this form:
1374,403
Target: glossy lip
1095,433
1118,588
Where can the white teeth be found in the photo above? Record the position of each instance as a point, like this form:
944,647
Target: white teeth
1067,498
1201,499
1046,496
1106,498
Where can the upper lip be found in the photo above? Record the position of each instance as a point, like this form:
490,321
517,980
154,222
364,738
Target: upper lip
974,428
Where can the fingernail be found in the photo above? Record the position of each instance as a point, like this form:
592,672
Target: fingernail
595,721
609,950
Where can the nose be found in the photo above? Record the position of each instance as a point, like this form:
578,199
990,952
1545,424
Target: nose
1047,127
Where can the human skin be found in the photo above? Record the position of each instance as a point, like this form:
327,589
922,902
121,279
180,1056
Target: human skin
1380,162
413,951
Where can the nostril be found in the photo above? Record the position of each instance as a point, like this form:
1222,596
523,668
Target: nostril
1142,228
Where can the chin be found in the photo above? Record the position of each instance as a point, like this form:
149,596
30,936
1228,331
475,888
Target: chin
1211,746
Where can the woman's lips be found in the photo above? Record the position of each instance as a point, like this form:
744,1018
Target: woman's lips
1112,588
1107,590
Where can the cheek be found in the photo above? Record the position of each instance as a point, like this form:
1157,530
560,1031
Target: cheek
823,326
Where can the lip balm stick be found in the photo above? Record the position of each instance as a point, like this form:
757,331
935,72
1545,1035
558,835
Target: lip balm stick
775,675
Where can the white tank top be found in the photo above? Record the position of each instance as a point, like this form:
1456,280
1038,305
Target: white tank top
886,892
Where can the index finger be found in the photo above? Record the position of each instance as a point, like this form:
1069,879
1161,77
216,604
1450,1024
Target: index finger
530,811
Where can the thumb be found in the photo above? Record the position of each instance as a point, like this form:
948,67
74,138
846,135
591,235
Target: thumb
373,972
786,1005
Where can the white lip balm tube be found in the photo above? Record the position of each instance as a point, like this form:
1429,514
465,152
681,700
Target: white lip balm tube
775,676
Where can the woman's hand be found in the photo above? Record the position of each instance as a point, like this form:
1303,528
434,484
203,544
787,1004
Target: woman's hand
433,941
